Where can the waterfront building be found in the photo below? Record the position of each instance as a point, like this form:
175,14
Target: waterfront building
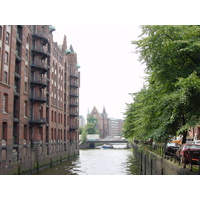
107,127
39,99
115,127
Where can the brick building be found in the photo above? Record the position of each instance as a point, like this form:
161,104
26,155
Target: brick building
39,99
107,126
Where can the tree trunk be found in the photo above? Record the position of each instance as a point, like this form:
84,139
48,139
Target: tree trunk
184,137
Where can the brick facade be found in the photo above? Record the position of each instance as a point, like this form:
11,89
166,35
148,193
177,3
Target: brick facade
39,99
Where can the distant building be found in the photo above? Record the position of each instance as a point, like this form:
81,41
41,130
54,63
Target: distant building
107,126
81,121
115,127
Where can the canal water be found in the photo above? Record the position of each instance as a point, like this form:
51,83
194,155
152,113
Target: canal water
116,161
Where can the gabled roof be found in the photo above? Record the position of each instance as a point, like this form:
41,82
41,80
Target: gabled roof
95,109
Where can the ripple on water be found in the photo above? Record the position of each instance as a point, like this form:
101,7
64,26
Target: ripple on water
97,162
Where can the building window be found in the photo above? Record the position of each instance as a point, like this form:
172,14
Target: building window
55,120
7,38
25,87
52,134
4,131
0,32
25,132
26,70
51,116
25,109
26,54
5,103
6,58
27,39
5,77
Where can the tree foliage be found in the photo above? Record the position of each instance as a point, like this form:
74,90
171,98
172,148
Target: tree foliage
169,104
90,128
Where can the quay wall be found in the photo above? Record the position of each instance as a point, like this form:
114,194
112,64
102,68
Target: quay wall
36,160
152,164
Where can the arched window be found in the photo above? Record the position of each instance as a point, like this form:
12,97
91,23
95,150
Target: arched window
7,38
27,39
52,134
25,132
55,137
6,58
5,77
5,103
25,109
55,118
52,116
4,131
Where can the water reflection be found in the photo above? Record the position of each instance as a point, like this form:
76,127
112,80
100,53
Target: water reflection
97,162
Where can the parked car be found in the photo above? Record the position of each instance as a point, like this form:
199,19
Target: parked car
191,156
171,149
184,147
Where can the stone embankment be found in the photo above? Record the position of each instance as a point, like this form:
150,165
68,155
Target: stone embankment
153,164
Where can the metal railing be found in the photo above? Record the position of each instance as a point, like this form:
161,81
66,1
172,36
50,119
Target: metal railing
38,98
39,65
40,49
41,34
160,149
39,80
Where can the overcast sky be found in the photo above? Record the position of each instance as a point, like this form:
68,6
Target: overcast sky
101,32
110,69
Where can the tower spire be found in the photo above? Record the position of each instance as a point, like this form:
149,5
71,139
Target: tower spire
104,110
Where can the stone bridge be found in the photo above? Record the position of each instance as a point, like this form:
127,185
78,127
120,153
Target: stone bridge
91,143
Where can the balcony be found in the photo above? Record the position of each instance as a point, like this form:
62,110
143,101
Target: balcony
40,50
73,104
17,75
74,85
40,34
38,98
74,75
74,94
73,127
16,91
39,65
38,121
38,81
18,55
74,113
19,40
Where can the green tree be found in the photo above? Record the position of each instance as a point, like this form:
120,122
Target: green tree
84,135
90,128
80,131
169,104
92,125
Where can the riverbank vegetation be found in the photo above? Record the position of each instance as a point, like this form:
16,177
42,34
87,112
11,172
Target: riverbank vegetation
168,104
